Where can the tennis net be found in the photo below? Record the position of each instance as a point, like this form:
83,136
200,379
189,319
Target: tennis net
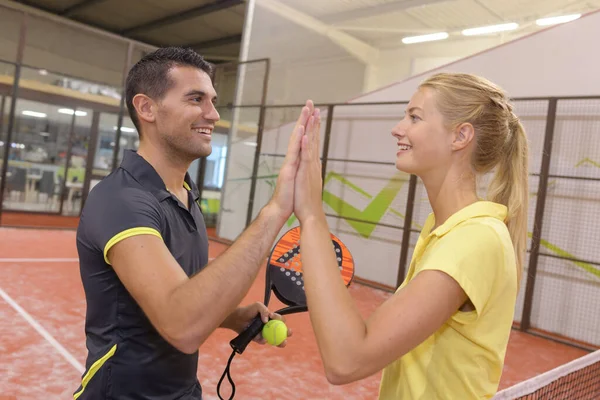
576,380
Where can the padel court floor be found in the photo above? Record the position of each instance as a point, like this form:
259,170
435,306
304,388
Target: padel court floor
42,341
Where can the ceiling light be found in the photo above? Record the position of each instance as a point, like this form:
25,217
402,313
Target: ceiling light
557,20
425,38
34,114
250,144
68,111
490,29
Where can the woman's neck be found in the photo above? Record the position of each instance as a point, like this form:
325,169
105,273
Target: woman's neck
450,193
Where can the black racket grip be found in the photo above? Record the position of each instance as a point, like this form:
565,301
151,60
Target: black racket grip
240,343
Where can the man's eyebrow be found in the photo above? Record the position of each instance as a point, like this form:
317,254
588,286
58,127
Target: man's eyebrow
195,93
198,93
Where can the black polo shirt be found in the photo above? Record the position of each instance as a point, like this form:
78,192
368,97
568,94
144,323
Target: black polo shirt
127,357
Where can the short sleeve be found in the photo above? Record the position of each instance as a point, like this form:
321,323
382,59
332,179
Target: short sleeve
473,255
109,218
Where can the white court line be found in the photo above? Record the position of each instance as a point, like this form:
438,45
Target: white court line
42,260
43,332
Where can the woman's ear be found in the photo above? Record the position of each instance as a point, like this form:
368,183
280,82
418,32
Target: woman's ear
463,135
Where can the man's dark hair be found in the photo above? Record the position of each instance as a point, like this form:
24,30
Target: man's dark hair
150,75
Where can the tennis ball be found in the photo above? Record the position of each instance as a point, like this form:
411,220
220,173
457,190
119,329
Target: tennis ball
275,332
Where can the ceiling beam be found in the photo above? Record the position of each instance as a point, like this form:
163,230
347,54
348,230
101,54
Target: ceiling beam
209,44
69,11
374,11
41,7
361,50
184,16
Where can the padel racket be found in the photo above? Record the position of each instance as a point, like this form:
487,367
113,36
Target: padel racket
284,277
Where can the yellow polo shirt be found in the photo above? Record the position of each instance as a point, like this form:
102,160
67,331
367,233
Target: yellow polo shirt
463,360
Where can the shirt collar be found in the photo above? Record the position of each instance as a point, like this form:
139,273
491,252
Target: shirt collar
478,209
146,175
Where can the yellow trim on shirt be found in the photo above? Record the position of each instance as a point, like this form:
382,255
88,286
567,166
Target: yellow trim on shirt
93,369
127,234
185,185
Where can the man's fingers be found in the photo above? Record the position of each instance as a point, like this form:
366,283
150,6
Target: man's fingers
306,112
294,146
264,312
299,128
305,150
311,107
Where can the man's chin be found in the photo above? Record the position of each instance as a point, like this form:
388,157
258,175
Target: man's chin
203,151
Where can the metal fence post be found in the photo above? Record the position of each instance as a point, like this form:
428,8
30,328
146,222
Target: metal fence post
539,215
259,137
408,217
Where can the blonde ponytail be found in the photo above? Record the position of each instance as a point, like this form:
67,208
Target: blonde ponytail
510,186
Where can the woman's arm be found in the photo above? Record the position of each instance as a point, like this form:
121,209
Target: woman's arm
352,348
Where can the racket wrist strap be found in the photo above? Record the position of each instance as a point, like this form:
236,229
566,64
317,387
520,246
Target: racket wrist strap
227,374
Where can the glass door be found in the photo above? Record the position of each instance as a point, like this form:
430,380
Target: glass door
37,157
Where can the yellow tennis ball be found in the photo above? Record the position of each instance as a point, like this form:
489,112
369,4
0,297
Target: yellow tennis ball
275,332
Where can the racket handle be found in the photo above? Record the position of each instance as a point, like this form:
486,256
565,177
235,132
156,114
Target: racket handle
243,339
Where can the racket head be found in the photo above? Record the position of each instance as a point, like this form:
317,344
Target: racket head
284,269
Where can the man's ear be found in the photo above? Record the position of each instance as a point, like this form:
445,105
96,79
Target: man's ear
463,135
144,107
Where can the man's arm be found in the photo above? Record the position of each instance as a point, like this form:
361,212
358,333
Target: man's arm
185,311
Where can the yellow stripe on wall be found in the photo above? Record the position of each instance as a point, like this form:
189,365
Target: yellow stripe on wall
93,369
126,234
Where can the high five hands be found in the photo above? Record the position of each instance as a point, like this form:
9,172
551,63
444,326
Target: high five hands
299,185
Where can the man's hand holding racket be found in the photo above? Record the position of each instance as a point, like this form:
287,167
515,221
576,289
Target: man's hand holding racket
239,320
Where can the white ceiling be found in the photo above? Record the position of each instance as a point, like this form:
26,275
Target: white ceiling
382,24
209,26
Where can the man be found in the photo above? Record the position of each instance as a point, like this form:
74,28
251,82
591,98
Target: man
152,297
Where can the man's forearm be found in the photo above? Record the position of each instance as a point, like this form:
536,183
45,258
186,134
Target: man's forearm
202,303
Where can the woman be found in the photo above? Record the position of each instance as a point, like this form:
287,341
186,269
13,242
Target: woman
444,333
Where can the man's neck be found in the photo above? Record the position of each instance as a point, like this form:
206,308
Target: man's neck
171,171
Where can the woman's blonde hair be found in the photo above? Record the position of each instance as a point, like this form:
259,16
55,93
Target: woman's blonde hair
501,143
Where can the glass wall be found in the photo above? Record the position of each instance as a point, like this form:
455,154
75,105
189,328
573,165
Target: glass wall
38,149
65,121
66,135
215,163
